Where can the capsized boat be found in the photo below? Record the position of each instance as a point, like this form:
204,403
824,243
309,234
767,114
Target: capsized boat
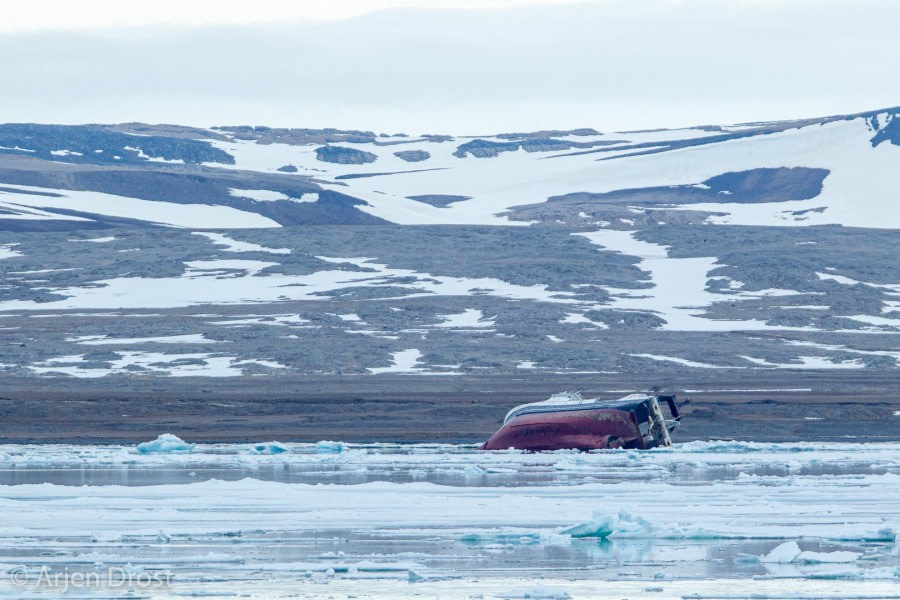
569,421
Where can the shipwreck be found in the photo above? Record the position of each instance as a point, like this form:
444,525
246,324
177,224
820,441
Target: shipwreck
569,421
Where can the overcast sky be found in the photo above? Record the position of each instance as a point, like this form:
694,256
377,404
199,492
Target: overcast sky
456,66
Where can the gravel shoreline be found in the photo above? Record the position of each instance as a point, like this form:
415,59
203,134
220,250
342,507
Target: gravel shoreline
775,406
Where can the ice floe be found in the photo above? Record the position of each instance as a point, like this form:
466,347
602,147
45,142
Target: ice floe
789,552
538,591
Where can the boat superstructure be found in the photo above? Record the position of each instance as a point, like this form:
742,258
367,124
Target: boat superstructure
569,420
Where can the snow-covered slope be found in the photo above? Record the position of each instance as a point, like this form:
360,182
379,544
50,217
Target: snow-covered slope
860,190
549,252
464,180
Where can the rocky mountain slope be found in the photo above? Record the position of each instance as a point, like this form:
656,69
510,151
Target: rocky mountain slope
135,251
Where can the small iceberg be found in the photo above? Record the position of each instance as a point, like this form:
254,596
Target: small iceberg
600,526
329,447
269,448
167,443
603,525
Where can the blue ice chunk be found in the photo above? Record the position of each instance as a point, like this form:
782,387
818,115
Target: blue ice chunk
329,447
167,443
269,448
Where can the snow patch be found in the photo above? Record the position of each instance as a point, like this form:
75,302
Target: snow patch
156,363
682,361
678,291
164,213
403,361
470,318
260,195
809,362
104,340
100,240
236,246
6,251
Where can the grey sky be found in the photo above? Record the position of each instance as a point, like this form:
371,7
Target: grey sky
604,64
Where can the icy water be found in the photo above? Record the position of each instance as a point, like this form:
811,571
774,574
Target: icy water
701,520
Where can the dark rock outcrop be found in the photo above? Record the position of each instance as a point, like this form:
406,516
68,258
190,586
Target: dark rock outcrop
344,156
413,155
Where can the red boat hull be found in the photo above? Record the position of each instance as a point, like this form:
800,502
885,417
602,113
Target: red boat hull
590,429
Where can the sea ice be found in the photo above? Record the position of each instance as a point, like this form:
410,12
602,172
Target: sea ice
538,591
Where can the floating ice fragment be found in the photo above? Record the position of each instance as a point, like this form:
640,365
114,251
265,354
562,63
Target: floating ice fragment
627,526
859,574
885,534
500,471
510,538
473,471
167,443
743,558
789,552
783,554
538,591
329,447
841,556
600,526
269,448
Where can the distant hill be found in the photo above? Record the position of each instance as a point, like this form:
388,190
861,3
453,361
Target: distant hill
138,250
